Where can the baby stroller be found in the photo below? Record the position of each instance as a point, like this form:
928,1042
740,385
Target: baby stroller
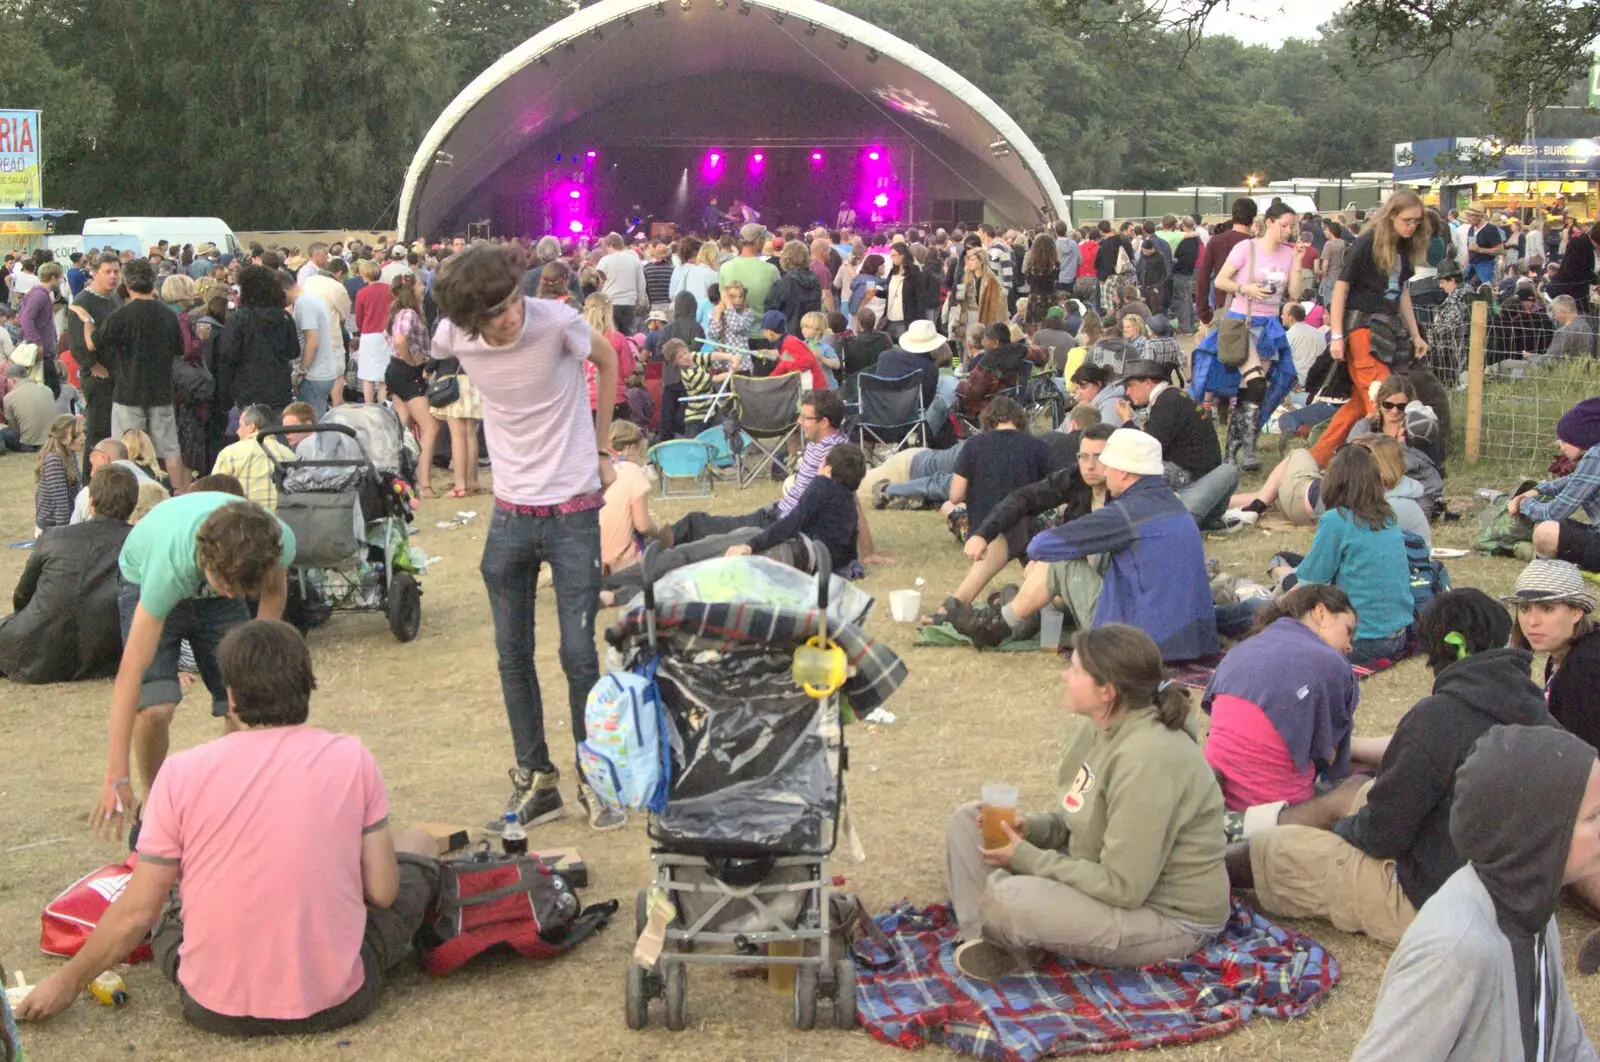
755,798
341,499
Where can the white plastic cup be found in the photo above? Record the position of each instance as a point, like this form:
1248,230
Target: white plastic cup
1051,620
905,605
999,795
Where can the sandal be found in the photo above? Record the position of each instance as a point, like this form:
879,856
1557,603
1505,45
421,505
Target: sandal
427,492
460,492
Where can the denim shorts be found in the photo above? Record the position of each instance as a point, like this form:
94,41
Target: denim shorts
202,622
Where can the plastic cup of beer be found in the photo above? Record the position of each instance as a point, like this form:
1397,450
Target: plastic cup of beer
999,805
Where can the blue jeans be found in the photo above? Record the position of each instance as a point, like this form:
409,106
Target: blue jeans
1365,651
1207,497
944,399
317,394
202,622
1233,621
1307,416
517,544
931,473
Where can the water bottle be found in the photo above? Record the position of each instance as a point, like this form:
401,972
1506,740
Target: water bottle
513,839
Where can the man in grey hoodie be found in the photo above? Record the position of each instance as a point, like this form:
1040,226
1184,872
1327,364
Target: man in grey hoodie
1478,976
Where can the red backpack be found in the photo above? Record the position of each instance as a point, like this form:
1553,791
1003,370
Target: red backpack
487,900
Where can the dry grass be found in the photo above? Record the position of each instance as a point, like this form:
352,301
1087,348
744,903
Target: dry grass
431,712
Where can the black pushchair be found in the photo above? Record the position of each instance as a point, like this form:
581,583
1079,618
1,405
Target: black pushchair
740,852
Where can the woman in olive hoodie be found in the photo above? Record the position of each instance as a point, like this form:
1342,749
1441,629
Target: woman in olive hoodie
1128,869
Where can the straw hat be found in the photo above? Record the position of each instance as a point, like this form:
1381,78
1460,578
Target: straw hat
921,338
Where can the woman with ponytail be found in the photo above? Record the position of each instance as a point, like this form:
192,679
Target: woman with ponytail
1126,869
1283,701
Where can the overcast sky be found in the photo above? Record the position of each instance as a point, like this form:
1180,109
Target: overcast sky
1268,21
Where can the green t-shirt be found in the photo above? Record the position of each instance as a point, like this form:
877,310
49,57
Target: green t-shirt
158,553
756,274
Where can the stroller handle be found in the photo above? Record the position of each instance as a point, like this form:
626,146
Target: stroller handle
819,556
282,431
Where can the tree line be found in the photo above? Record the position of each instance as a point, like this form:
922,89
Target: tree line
305,113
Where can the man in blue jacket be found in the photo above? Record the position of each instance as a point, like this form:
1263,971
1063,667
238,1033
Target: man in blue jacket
1154,565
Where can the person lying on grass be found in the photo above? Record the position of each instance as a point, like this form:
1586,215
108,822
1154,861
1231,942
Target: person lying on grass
294,898
1146,544
1126,870
826,514
1003,535
1479,975
187,568
1368,854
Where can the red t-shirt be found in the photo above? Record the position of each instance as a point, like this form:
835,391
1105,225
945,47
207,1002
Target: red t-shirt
266,827
372,308
1087,249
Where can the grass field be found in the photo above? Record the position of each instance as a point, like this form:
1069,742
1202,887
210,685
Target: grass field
432,714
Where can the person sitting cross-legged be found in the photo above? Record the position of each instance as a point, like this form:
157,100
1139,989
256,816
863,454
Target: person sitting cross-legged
1149,549
1001,458
1370,869
1003,535
65,627
1479,974
1193,458
1555,533
1126,869
294,897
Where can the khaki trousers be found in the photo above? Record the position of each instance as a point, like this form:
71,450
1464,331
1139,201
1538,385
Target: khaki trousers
1030,914
1304,872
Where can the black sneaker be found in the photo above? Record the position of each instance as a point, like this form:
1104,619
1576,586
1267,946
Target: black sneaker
880,494
535,799
601,818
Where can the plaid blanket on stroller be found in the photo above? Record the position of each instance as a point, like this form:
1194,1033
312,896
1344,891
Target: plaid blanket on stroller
1255,967
879,671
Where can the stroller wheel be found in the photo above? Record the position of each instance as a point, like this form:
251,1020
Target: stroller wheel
404,606
676,975
805,996
844,994
641,912
638,1002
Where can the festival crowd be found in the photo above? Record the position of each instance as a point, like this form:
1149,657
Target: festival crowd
140,386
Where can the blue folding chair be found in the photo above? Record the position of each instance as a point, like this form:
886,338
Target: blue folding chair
721,452
682,459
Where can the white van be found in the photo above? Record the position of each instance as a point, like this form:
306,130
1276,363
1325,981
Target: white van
151,231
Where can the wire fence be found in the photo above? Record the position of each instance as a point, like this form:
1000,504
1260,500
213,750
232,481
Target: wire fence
1534,367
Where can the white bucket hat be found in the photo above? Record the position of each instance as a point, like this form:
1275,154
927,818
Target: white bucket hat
1132,451
921,338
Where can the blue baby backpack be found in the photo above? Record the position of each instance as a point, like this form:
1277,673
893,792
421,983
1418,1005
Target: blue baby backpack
625,756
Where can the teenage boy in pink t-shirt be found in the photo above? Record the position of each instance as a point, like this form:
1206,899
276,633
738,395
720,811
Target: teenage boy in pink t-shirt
526,357
295,898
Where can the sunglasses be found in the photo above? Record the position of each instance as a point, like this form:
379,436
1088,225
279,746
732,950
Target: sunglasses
1398,407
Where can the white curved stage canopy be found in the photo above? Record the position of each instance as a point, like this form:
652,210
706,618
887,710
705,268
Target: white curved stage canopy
791,106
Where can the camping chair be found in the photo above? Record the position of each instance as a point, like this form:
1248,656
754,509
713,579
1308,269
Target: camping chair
1045,405
682,459
721,452
768,415
891,412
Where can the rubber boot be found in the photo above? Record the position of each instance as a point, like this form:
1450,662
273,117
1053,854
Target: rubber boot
1235,440
1246,415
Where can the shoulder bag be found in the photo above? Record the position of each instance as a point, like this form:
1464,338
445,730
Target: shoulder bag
1233,333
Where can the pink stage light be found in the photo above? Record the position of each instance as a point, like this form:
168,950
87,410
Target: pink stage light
715,158
575,194
874,156
880,200
590,155
816,156
758,157
575,226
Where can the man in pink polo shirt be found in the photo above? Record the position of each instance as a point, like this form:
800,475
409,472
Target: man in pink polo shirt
295,897
526,357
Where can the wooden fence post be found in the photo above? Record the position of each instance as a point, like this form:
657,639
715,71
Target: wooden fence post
1476,347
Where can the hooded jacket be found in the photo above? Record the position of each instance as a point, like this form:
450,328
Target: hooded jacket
66,628
1483,957
1407,814
797,293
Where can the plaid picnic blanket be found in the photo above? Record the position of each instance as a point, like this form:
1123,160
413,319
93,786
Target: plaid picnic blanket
879,671
1196,674
1255,967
